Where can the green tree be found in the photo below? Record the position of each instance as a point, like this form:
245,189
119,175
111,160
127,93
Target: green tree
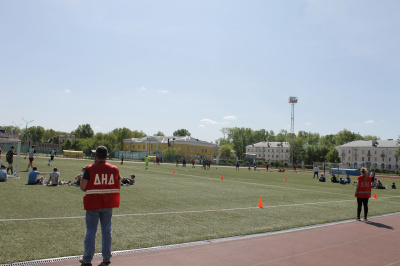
333,156
281,136
35,133
346,136
83,131
226,151
67,145
169,154
159,133
181,133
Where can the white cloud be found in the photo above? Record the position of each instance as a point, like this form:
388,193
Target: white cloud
163,91
230,117
369,122
143,88
208,121
67,91
202,126
308,124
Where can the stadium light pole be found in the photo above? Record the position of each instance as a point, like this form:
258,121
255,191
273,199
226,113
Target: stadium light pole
292,101
26,128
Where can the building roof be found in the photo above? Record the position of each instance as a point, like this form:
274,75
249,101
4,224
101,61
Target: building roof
370,144
176,140
269,144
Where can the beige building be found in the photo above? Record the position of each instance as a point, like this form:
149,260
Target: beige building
187,147
370,153
269,151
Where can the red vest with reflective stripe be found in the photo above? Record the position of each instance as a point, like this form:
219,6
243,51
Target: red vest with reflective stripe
364,187
103,187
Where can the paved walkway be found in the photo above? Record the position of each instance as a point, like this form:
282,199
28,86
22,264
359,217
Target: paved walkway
376,242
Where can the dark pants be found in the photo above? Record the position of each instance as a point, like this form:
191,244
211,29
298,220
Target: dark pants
315,174
362,201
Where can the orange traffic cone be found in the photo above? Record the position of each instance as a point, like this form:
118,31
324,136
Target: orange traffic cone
260,205
173,172
222,177
375,197
117,164
286,178
389,179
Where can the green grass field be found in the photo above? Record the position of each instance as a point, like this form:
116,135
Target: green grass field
163,208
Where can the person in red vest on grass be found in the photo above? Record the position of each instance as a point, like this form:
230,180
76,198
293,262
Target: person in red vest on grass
101,182
363,193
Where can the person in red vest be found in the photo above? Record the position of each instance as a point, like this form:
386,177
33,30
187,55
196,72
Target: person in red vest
101,183
363,193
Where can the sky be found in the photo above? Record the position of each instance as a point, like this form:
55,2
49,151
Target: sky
201,65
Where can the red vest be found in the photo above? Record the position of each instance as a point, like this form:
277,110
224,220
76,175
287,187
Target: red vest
103,187
364,187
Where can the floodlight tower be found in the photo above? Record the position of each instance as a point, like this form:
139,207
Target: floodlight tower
292,101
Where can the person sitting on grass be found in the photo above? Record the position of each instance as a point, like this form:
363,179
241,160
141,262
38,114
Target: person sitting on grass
393,185
334,179
3,174
379,185
322,178
342,181
348,179
33,177
55,179
78,178
125,181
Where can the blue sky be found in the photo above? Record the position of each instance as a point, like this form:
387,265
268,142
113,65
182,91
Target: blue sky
201,65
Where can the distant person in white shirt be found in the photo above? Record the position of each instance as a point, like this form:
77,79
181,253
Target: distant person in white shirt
316,170
52,154
31,153
54,178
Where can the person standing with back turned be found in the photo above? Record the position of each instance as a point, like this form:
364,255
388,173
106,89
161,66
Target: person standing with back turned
363,193
101,183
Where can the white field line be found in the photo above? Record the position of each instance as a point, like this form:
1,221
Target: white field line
188,212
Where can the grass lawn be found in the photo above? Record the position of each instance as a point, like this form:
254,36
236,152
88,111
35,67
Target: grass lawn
164,208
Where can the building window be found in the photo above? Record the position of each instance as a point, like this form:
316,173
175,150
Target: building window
376,159
362,159
390,152
376,151
390,159
151,146
179,148
138,146
390,166
277,157
143,147
349,159
191,149
363,152
349,151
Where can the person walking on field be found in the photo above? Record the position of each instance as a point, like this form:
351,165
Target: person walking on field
10,159
52,154
146,159
316,170
101,182
31,153
122,158
363,193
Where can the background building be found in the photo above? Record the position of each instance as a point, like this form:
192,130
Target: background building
379,154
187,147
269,151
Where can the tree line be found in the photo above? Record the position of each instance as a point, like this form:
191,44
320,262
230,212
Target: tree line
308,147
85,138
